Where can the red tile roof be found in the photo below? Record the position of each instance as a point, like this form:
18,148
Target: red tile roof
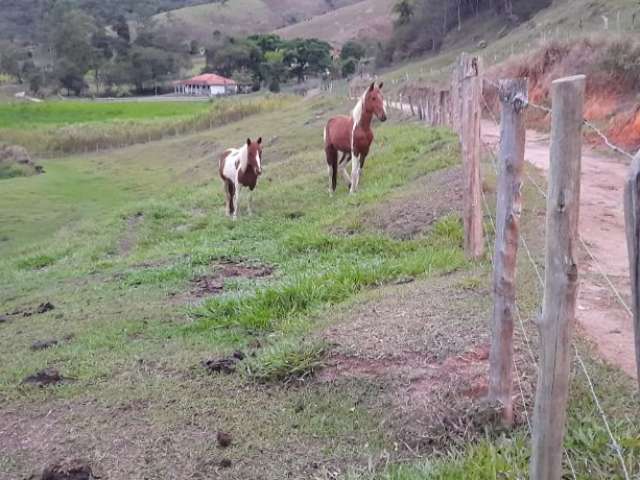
209,79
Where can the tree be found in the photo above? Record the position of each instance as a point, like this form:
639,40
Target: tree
307,57
12,60
274,69
352,49
70,40
232,55
404,9
33,75
151,65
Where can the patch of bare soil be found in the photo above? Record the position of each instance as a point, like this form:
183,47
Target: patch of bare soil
213,283
128,240
427,342
413,213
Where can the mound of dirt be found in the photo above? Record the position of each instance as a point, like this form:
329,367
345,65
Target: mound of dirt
44,378
225,365
213,283
413,213
426,346
70,469
15,161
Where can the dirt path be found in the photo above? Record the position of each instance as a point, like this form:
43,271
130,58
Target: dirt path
600,314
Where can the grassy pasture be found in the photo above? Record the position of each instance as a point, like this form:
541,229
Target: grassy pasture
115,240
56,113
56,128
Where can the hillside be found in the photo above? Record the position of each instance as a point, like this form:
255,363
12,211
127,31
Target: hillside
20,18
243,17
365,19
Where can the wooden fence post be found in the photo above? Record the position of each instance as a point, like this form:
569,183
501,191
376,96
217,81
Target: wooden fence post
561,278
456,98
470,133
513,97
632,220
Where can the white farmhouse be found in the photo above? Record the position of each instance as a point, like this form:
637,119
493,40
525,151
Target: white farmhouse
207,84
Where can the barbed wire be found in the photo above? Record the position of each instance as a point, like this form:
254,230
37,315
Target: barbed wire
526,339
549,111
614,442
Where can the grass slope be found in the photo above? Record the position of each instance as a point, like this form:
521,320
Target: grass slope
365,19
561,21
244,17
115,240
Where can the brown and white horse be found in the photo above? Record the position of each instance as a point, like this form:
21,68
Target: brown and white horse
352,136
240,167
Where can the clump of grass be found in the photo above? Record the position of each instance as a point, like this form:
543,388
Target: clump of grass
15,170
355,265
288,360
37,262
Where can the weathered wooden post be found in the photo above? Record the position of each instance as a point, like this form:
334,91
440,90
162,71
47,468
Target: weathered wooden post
632,220
471,74
456,99
561,278
513,98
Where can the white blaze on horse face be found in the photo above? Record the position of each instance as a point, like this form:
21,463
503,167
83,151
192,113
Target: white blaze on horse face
259,161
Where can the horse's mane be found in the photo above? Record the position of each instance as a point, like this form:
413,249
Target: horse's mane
356,115
244,157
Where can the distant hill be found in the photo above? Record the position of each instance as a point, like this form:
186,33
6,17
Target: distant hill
19,19
365,19
245,17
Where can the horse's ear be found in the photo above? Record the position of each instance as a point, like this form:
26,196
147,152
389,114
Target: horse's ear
260,141
248,141
380,86
373,85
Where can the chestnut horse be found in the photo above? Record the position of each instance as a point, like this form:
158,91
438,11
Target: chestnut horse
352,136
240,167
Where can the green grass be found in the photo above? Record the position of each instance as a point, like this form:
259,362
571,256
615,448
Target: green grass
288,360
53,113
114,240
57,128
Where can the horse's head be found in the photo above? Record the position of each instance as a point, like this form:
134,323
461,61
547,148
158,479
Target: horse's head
374,102
254,155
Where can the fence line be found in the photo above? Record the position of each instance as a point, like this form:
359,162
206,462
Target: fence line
614,442
522,326
423,107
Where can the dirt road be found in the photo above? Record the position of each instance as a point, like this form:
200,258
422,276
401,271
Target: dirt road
601,315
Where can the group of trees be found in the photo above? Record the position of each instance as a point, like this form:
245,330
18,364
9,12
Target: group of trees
75,44
268,59
421,25
72,40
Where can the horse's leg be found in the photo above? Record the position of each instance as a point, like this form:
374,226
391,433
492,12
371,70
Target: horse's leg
332,165
236,200
250,203
233,198
355,173
228,197
346,158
